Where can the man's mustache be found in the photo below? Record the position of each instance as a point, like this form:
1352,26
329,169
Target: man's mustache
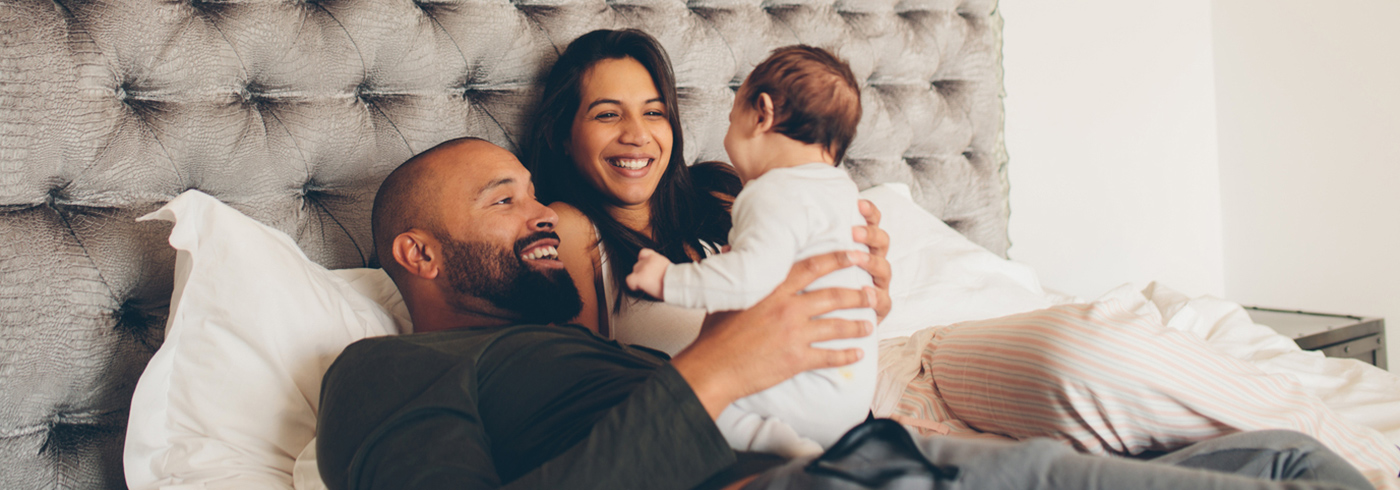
535,237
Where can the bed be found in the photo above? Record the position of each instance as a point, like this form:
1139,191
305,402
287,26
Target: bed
292,112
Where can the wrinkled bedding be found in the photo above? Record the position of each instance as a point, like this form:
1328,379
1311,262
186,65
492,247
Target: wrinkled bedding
1133,372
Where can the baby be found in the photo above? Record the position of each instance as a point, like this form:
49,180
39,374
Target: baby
790,125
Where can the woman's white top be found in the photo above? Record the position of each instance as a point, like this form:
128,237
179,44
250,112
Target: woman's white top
653,324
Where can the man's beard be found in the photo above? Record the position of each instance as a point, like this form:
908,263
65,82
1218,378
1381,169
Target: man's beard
503,278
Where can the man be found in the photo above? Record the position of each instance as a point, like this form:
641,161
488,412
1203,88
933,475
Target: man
486,394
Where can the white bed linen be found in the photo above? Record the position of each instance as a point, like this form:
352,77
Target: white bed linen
966,282
932,260
1360,392
1150,386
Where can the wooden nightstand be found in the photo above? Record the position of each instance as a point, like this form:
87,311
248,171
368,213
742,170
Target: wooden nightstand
1346,336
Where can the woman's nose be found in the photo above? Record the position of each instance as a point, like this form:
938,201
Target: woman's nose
634,132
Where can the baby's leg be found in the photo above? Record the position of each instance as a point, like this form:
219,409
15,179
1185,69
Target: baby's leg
812,410
748,431
801,416
820,405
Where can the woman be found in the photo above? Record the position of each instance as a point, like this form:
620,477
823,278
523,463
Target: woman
607,153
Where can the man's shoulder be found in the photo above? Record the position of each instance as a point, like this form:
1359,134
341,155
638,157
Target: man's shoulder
411,355
391,363
451,343
443,343
433,354
389,370
553,341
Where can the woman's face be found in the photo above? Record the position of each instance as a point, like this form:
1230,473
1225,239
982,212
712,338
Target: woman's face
621,136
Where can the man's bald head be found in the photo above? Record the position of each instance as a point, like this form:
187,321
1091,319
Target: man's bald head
410,196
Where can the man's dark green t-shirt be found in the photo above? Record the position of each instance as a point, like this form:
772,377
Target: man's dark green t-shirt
527,406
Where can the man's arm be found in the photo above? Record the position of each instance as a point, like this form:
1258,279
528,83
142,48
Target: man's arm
661,436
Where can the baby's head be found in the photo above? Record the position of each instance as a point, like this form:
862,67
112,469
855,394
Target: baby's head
815,98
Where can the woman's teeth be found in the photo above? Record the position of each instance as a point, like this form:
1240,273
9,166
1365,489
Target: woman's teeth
542,252
630,163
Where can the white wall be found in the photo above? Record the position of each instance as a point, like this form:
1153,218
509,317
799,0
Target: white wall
1111,130
1309,118
1249,148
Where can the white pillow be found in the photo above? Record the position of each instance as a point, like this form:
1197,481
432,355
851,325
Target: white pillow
939,276
230,399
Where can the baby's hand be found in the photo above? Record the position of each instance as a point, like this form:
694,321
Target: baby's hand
649,275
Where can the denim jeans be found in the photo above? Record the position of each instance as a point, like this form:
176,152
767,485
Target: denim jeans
887,456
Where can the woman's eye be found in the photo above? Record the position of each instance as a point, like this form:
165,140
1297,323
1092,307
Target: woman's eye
605,115
656,113
503,201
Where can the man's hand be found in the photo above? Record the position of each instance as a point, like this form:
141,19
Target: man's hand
755,349
649,275
879,242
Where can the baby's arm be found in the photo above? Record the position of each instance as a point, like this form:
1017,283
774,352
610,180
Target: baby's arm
649,275
770,223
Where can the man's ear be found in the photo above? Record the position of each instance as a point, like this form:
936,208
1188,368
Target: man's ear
418,253
765,113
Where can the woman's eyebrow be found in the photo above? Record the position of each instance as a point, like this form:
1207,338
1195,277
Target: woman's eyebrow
618,102
602,101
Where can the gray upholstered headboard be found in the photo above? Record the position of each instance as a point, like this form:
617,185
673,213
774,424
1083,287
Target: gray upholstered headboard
293,111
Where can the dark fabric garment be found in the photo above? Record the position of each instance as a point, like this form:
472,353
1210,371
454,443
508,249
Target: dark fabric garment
512,407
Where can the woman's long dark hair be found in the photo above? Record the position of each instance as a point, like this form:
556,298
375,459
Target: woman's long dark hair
690,205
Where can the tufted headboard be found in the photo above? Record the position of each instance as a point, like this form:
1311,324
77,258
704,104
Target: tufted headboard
293,111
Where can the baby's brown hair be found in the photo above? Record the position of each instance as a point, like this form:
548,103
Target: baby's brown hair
815,96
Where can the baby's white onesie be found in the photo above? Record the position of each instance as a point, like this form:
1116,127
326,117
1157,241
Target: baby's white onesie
786,215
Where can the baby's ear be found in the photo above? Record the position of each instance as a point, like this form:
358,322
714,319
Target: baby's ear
765,111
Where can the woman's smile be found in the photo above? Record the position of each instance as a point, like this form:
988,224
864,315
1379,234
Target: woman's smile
630,163
631,166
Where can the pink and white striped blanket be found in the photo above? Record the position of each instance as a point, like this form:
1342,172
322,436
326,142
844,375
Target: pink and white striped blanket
1135,372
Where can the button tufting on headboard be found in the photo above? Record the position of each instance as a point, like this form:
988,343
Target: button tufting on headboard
293,111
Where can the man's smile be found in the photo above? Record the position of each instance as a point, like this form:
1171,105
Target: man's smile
543,254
